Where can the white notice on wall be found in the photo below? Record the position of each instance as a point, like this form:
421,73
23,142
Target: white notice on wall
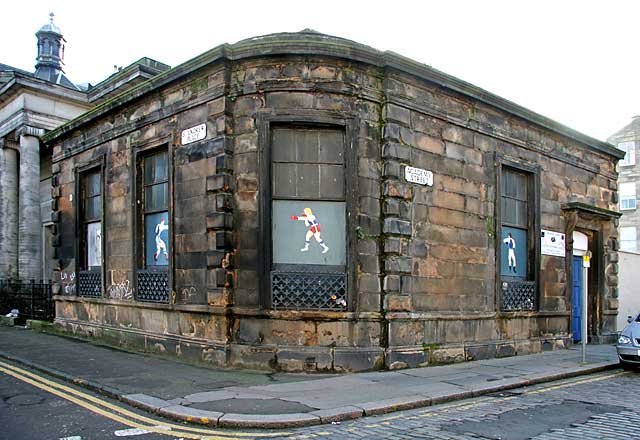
419,176
552,243
193,134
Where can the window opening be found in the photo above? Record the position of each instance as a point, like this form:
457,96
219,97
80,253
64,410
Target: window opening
308,210
153,276
90,274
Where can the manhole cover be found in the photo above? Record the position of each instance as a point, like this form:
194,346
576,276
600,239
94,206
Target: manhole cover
25,400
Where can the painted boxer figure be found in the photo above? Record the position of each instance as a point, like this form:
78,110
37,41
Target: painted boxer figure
161,246
311,222
511,246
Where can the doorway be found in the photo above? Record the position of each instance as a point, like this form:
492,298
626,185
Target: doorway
576,301
581,247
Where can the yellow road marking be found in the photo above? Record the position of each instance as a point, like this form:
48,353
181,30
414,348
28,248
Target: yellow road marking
577,382
68,393
95,409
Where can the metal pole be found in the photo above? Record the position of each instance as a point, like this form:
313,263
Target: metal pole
585,287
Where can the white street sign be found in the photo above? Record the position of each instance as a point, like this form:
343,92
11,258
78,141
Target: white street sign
193,134
419,176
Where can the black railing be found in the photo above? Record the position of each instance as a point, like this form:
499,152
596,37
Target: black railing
32,299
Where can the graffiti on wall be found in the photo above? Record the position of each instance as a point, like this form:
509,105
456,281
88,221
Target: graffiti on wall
187,293
68,282
120,290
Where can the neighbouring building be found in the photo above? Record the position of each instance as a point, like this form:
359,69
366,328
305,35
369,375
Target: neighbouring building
627,140
303,202
31,104
629,281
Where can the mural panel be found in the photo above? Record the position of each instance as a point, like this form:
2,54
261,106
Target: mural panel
157,239
309,232
513,252
94,244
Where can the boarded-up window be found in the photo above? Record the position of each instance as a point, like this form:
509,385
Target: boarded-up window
91,220
515,223
153,227
308,217
156,209
90,270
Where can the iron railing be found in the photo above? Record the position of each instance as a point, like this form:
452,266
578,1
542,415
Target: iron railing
32,299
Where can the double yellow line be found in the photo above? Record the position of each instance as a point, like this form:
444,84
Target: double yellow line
122,415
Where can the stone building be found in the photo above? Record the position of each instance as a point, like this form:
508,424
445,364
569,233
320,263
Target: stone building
627,140
302,202
32,104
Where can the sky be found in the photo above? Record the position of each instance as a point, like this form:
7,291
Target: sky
575,62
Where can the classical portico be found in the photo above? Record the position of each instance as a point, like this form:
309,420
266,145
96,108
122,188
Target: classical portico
32,104
9,158
29,222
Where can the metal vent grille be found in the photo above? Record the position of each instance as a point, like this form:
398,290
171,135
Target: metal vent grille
518,295
90,283
153,286
308,291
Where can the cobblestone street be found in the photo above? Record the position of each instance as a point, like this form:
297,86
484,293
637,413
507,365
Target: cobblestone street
602,406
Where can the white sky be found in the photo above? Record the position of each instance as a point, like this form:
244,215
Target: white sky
573,61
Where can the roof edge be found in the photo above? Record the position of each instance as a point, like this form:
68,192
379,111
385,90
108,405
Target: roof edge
306,43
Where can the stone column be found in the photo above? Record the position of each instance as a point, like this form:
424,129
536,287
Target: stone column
8,210
30,224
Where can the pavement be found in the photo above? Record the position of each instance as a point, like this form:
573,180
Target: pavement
259,399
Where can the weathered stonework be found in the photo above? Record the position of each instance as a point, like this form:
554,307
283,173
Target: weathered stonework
423,277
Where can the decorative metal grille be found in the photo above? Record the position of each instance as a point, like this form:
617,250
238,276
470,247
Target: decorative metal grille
308,291
518,295
153,286
89,283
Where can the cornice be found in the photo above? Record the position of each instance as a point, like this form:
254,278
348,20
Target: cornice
591,210
23,82
314,44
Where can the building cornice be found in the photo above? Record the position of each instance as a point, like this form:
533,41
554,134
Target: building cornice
591,210
314,44
22,82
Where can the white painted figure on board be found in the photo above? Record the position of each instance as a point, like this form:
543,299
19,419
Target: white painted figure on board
161,246
511,245
311,222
